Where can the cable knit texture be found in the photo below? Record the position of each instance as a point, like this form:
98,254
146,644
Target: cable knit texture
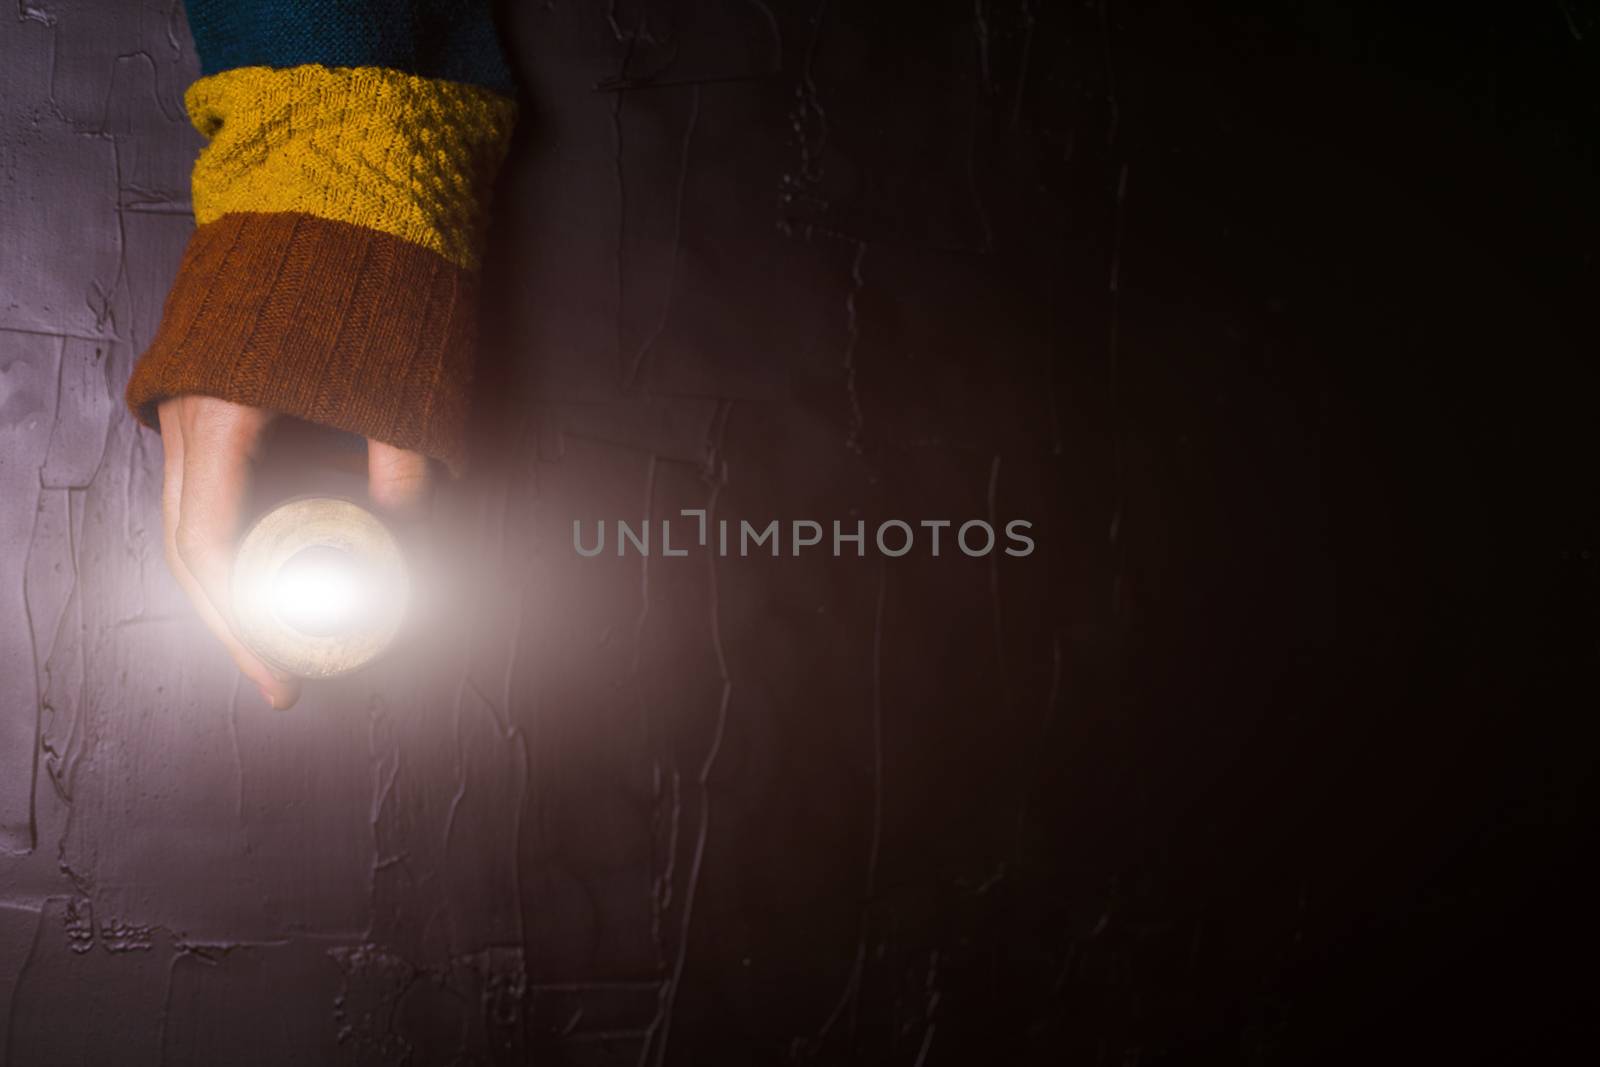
341,202
407,156
336,324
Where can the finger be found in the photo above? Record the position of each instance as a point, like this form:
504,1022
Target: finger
272,689
171,479
398,480
217,445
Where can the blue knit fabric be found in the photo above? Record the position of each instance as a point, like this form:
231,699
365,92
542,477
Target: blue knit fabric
450,39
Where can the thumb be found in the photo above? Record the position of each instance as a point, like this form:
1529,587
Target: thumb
398,480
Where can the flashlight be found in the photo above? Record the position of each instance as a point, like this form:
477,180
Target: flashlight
320,587
320,583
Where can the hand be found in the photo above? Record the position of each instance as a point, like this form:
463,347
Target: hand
210,447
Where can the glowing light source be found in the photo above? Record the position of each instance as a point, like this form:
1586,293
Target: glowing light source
320,587
321,591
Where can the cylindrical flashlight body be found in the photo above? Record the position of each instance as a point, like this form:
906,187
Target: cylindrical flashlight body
320,587
320,584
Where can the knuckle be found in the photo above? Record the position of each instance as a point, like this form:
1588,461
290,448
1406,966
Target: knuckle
406,477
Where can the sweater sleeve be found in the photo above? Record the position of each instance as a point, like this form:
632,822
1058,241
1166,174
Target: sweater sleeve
341,203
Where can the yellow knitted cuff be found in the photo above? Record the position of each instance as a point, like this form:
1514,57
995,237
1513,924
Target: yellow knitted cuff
407,156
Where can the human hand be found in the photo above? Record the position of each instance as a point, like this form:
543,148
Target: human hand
210,449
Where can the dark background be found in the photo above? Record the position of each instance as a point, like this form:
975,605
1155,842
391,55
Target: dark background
1277,320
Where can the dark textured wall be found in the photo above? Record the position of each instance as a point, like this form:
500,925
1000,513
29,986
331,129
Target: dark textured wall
1278,324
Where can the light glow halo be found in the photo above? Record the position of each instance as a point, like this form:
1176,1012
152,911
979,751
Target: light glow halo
322,591
320,587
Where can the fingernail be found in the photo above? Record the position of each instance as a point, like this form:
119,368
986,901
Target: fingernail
267,696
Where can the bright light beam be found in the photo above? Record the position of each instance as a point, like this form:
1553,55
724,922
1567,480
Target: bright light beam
320,592
320,587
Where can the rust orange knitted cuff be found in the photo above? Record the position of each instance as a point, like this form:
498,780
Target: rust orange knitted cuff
330,322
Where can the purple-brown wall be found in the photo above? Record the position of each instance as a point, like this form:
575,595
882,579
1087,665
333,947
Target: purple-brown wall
1274,327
